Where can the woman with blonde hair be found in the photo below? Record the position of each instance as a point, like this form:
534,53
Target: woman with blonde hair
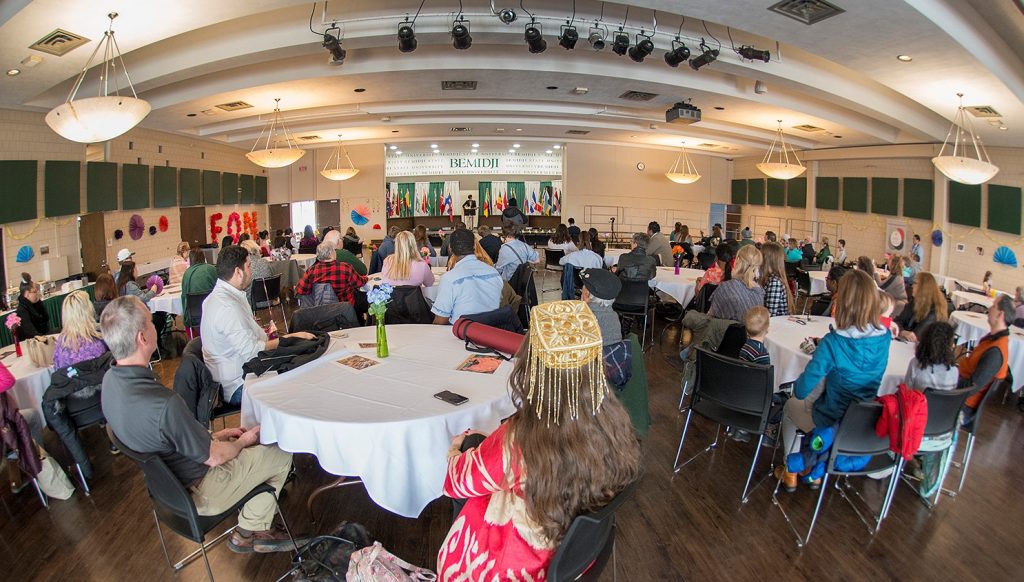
928,306
734,297
179,264
778,297
79,339
406,266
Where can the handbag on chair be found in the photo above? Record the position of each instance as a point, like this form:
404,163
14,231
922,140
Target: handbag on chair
40,350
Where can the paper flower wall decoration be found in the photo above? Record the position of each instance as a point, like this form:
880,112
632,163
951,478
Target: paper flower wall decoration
234,220
136,226
376,227
152,230
25,254
163,224
215,229
361,214
250,224
155,280
1005,256
937,237
118,234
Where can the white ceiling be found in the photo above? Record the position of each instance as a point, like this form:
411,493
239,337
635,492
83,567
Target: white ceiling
840,74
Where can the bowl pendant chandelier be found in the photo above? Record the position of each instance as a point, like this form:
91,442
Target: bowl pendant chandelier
688,173
338,173
106,116
270,156
788,165
958,167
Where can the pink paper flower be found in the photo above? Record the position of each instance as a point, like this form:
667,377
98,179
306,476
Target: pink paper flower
13,321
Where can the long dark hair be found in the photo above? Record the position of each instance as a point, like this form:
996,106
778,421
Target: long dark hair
307,232
725,254
561,235
935,346
105,289
585,241
126,274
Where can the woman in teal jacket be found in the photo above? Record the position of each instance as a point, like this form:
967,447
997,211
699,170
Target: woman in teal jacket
851,359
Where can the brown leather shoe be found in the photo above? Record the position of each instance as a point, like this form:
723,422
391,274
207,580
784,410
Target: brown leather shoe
264,542
788,479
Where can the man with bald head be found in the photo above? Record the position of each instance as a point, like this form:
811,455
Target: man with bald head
344,255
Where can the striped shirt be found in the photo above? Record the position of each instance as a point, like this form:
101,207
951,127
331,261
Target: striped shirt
754,351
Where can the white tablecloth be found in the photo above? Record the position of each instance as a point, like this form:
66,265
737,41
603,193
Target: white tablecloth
304,261
961,298
971,327
818,282
783,343
611,256
169,300
30,382
679,287
381,424
429,293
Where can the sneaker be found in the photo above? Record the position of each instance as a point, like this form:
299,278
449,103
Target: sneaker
240,543
814,485
788,479
114,450
740,436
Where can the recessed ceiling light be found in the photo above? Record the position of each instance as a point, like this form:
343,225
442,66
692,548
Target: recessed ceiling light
557,147
359,90
13,72
548,152
904,58
720,108
433,146
1003,128
515,145
552,87
519,129
511,151
393,148
476,145
398,152
632,136
474,150
437,151
838,136
394,131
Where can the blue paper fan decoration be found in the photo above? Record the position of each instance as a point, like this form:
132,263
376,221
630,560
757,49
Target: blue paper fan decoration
937,237
361,214
1005,256
25,254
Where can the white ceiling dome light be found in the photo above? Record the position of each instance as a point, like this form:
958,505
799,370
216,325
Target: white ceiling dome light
687,174
338,173
788,165
958,166
271,156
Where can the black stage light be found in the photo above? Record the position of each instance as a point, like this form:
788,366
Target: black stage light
596,38
406,38
568,38
333,45
677,55
753,54
621,43
706,57
641,49
535,39
460,35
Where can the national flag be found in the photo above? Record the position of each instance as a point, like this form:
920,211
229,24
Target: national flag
387,200
450,207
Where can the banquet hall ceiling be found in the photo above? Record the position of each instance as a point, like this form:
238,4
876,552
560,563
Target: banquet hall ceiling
840,75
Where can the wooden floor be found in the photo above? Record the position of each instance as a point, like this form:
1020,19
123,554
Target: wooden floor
686,526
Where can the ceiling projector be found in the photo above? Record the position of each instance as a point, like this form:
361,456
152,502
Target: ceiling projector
684,113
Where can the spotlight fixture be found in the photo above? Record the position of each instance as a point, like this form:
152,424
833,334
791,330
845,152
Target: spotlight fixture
406,37
642,49
707,56
568,38
333,45
620,44
507,15
13,72
678,54
596,39
752,54
460,35
904,58
535,38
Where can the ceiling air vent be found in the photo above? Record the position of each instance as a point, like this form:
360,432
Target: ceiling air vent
460,129
309,137
806,11
982,111
233,106
637,96
577,132
59,42
808,128
458,85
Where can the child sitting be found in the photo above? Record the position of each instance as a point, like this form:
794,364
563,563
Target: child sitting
888,304
756,320
934,364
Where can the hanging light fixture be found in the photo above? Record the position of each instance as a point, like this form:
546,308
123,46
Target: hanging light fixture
785,168
270,156
106,116
687,174
956,166
338,173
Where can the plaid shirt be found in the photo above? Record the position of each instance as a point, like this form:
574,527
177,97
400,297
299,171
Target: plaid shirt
618,363
775,297
340,276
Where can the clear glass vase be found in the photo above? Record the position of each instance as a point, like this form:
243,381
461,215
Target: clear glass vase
382,338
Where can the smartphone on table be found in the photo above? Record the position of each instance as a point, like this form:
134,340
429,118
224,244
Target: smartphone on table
451,397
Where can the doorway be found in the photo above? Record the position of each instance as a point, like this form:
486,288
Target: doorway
92,235
280,217
328,213
193,225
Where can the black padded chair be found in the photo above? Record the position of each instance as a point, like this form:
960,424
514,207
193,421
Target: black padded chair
588,544
803,289
730,392
971,429
194,306
174,507
854,437
83,413
634,300
268,291
732,341
551,264
327,318
943,415
408,306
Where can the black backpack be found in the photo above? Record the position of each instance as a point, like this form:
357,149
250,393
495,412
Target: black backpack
325,558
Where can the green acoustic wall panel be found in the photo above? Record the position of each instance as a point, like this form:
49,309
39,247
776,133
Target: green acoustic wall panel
1004,206
229,188
18,190
211,187
855,194
918,198
796,193
100,186
134,186
739,191
261,190
165,187
62,188
776,192
755,191
885,196
245,189
965,204
826,193
190,186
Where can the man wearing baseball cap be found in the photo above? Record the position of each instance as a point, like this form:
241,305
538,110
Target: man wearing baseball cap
122,256
600,288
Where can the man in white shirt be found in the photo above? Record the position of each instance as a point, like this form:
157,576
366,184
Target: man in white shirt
231,337
513,253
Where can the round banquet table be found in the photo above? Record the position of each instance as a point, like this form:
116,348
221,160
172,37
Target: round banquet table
971,327
381,424
429,293
611,256
680,287
289,271
785,336
818,282
304,261
961,298
168,300
30,381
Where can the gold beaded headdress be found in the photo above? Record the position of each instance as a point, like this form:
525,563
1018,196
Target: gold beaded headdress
565,343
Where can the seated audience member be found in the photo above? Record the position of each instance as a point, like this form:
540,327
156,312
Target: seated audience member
179,264
927,307
423,241
227,241
105,291
934,362
574,231
679,235
841,256
757,321
989,361
778,297
596,244
851,358
793,252
344,255
478,252
199,279
35,321
770,236
894,284
79,339
122,256
525,483
512,215
309,239
825,305
720,270
823,253
986,283
600,288
868,266
1018,302
231,337
584,257
263,238
352,243
561,241
887,304
446,243
406,266
513,252
807,251
746,237
716,235
636,265
735,297
490,243
658,245
327,269
243,237
258,266
289,239
126,283
470,287
216,469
